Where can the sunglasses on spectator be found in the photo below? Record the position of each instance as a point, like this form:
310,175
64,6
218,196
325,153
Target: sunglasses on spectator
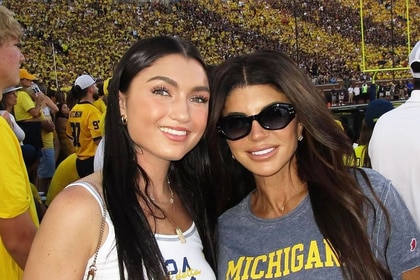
273,117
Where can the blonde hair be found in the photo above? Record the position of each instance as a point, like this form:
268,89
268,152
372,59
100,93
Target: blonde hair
10,28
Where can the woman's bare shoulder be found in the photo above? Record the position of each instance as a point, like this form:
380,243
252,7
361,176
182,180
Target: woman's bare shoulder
77,205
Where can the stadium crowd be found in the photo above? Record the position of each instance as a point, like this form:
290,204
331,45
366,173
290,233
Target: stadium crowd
64,39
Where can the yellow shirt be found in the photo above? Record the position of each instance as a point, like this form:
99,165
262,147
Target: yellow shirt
47,137
23,105
83,127
102,124
15,193
100,104
360,155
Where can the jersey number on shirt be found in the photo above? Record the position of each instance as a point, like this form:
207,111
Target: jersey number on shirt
75,128
95,125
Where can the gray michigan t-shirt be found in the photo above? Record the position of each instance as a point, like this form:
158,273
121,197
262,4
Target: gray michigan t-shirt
292,247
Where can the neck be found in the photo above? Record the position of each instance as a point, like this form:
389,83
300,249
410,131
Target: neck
86,99
159,189
164,197
277,201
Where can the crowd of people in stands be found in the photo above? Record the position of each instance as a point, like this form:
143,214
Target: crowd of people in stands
66,39
69,39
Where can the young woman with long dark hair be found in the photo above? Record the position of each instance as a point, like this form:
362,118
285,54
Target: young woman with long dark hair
156,220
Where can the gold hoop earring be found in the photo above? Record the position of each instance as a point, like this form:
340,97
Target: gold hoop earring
123,120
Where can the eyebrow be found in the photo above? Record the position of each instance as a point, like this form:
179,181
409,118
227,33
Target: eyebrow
236,114
175,84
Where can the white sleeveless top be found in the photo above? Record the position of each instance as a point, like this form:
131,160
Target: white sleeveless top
183,260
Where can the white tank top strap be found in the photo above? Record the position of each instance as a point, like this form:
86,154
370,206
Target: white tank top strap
107,256
88,186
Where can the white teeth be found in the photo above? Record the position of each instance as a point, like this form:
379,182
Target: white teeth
173,131
262,152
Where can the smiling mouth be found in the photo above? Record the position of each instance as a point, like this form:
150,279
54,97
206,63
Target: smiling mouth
262,152
173,131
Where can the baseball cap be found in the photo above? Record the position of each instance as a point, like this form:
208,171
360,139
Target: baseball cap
24,74
375,109
415,57
10,89
84,81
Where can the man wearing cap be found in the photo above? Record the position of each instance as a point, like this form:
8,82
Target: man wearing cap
394,147
83,128
28,109
39,129
18,217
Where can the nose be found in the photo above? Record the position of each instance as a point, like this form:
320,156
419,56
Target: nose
180,110
257,131
21,58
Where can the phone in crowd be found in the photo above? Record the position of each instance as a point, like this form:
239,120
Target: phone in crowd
35,88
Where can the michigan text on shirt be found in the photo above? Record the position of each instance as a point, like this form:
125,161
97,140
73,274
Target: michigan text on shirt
282,262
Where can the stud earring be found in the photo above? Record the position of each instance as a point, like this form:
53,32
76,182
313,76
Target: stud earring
124,120
300,138
233,157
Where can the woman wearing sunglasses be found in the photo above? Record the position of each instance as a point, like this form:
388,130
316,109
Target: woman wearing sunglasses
296,209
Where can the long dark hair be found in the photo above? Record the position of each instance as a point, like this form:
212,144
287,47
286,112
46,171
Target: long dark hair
320,159
137,248
60,113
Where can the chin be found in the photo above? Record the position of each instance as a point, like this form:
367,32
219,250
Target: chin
171,155
264,172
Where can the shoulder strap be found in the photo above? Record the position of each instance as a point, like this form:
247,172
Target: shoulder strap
92,189
92,268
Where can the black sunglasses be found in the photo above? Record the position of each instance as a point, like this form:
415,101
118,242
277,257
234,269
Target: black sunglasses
273,117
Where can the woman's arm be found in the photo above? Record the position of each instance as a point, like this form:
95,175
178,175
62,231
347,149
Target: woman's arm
67,237
53,107
20,134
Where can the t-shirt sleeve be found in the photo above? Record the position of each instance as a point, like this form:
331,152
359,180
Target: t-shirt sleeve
26,101
403,252
94,124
